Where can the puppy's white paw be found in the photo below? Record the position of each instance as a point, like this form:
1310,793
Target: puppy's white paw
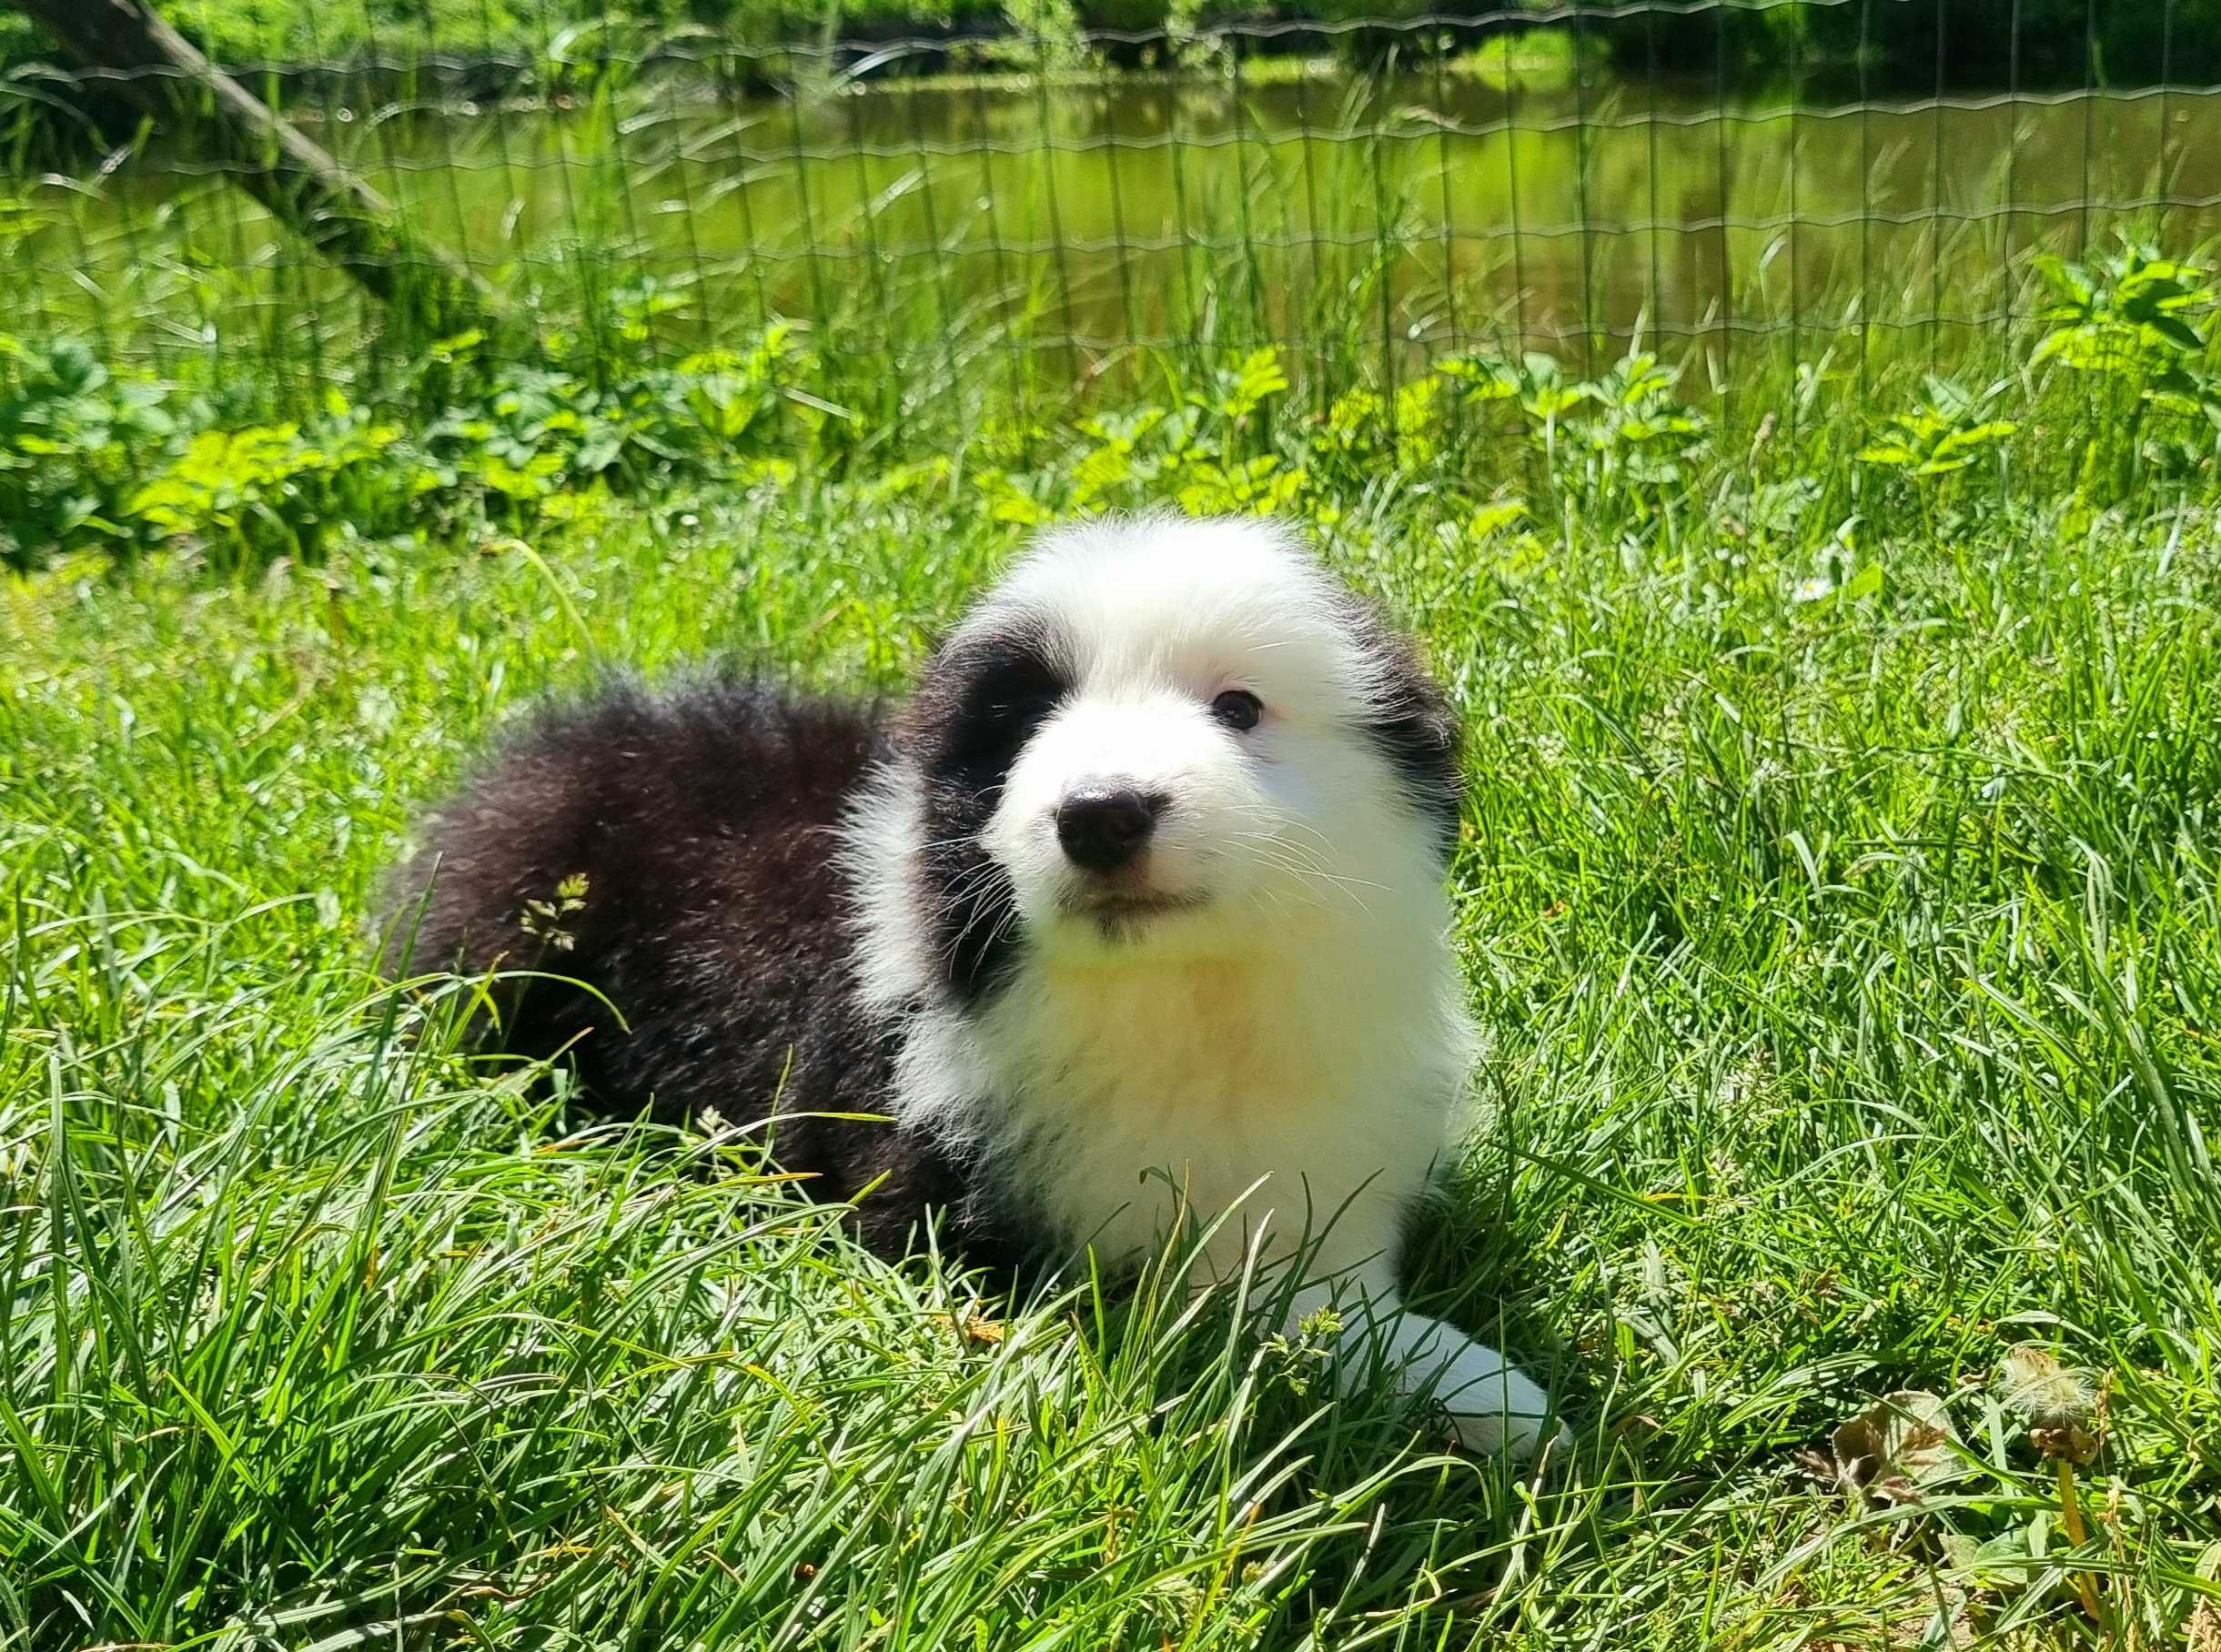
1522,1437
1496,1409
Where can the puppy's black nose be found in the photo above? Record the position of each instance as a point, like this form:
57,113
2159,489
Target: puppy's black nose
1104,827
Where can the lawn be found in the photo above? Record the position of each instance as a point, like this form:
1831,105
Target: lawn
1838,888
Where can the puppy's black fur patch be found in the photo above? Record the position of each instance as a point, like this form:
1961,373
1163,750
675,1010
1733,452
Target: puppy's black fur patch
974,709
714,918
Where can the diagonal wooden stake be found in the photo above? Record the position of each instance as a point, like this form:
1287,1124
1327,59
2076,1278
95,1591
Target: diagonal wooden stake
160,70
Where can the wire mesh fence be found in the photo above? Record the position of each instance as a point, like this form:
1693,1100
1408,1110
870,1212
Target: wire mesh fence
1051,208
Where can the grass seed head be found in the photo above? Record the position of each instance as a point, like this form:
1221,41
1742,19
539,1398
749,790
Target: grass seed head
2052,1396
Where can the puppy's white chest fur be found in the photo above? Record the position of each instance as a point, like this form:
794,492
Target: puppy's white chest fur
1133,1095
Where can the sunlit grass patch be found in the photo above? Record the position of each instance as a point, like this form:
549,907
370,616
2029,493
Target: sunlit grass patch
1847,953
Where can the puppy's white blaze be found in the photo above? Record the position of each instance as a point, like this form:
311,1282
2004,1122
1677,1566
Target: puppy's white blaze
1298,1021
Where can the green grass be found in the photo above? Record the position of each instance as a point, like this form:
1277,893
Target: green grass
1838,888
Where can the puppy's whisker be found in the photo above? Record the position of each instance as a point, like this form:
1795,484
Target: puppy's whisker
1285,857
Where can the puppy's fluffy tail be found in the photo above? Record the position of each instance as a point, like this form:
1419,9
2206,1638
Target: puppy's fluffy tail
649,877
505,875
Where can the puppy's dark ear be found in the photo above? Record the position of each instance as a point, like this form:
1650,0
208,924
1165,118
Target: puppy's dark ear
978,700
1412,723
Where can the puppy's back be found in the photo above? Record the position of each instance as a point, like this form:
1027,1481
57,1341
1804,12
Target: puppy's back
674,854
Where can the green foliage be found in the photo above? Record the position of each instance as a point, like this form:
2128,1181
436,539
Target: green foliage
91,460
264,491
1234,444
1948,430
2134,325
1365,432
1623,435
2113,393
1638,434
1049,36
73,439
1209,449
1837,880
2135,318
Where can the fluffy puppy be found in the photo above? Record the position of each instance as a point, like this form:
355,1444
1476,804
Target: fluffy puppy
1132,916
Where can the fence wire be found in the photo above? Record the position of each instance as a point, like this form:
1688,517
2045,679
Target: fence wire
1059,206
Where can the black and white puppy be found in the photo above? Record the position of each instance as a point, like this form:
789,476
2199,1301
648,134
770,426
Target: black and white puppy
1134,914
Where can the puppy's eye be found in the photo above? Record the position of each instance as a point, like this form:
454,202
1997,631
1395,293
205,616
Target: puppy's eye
1024,710
1238,708
1000,709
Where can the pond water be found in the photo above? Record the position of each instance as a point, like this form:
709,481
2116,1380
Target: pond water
1317,208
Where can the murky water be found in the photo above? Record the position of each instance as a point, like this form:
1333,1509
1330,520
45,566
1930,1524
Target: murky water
1318,209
